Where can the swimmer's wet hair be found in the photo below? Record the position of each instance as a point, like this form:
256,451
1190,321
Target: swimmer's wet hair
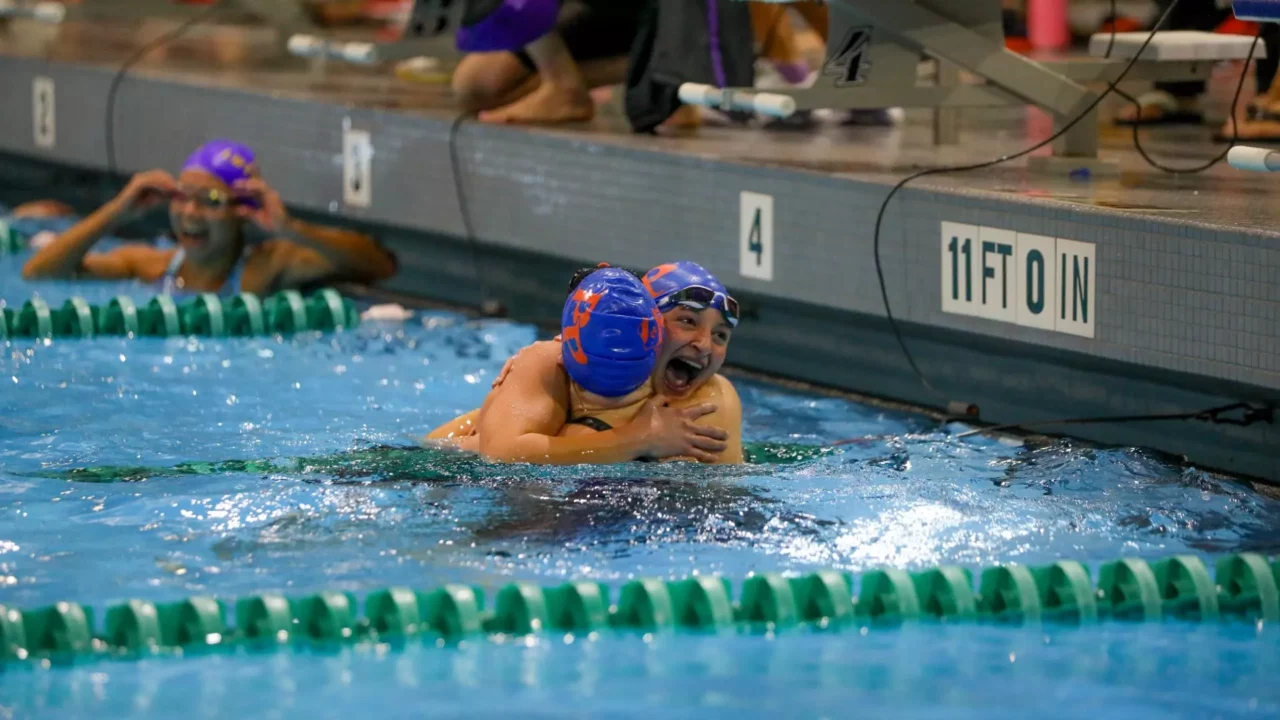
580,275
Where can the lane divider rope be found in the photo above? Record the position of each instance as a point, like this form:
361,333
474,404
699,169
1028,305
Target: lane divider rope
1243,587
205,315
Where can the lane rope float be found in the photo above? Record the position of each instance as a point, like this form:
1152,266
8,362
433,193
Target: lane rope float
206,315
1242,588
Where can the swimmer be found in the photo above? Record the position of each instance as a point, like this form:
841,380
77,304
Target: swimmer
213,201
685,386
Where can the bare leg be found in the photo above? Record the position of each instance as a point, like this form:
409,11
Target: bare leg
483,81
561,95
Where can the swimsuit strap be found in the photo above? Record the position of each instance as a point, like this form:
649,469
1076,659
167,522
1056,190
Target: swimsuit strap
594,423
171,272
169,280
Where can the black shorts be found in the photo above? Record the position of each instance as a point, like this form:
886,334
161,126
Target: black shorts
596,29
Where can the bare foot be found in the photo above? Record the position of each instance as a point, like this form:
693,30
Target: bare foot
1255,130
545,105
687,117
1264,127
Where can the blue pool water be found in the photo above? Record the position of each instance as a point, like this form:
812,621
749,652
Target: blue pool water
911,496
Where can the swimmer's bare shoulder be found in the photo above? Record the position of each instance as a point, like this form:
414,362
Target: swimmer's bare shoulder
719,391
541,358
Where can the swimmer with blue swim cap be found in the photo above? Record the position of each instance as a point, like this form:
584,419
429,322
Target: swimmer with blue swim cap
544,411
610,334
217,199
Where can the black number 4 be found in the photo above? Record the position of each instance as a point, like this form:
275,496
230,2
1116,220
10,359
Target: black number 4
755,242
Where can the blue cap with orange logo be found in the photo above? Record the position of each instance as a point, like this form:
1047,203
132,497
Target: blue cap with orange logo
611,331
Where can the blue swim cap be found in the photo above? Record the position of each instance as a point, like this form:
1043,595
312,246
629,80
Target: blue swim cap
688,283
611,331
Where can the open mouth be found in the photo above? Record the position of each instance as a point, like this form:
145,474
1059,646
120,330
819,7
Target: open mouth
194,238
680,374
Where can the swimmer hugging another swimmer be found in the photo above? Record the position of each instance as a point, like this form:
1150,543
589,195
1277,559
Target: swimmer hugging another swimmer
553,408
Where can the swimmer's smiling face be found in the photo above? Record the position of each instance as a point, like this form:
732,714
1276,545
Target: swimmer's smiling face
693,350
202,215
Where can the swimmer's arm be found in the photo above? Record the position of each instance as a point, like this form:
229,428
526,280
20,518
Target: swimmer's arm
311,253
463,426
727,417
68,256
523,415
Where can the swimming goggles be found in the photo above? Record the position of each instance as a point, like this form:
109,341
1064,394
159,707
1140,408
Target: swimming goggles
207,198
701,298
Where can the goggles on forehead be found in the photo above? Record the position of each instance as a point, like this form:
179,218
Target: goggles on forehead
701,298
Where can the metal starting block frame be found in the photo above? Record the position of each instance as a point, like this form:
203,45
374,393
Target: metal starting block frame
874,48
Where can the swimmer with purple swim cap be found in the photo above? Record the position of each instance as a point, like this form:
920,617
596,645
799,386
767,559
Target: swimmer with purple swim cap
550,407
215,203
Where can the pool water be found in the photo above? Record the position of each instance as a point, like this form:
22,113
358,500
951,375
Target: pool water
910,495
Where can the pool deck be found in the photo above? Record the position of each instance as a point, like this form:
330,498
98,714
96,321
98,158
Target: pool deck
1130,294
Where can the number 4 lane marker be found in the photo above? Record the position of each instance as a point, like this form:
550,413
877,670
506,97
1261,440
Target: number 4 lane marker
756,236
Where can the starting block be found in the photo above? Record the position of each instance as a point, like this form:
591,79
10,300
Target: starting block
874,49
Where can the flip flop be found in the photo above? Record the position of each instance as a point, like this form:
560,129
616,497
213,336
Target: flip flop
1170,112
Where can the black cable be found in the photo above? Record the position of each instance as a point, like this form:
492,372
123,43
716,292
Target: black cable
884,291
1235,125
1112,44
167,37
1211,415
488,304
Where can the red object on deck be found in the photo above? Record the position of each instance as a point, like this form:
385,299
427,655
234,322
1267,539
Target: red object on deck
1018,44
1123,24
1236,26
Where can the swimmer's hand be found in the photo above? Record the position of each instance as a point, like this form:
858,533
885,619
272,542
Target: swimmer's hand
511,361
666,432
145,192
265,209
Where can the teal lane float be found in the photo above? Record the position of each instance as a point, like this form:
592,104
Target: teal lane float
205,315
1242,588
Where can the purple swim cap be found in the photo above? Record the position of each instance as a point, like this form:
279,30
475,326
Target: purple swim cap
228,161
